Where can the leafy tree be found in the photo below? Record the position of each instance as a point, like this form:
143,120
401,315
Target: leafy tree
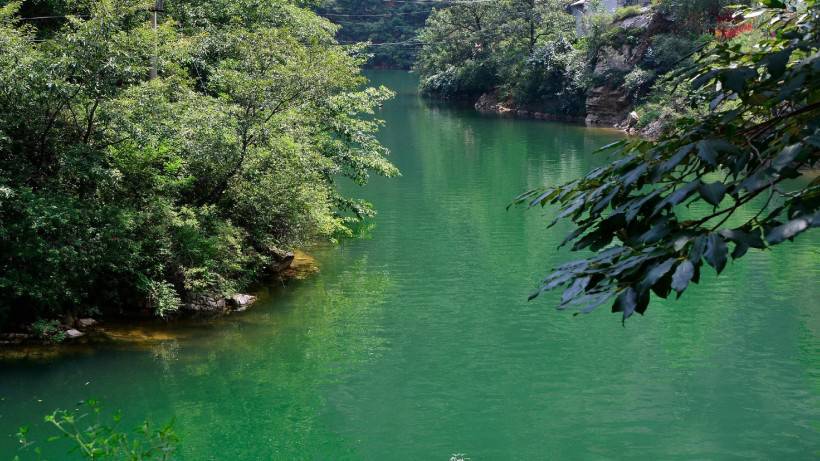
472,47
711,188
117,190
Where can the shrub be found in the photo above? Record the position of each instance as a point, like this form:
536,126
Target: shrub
555,74
90,436
626,12
638,81
48,330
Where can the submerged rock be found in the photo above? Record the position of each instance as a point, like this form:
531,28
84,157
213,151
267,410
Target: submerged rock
489,103
303,266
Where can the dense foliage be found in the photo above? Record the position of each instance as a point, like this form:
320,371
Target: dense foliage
117,190
528,54
471,48
711,188
390,27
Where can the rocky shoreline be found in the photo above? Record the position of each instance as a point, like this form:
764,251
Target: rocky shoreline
609,104
488,103
290,265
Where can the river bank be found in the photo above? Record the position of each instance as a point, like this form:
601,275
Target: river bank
47,338
490,103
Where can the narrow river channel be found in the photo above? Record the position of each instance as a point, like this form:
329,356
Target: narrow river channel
416,341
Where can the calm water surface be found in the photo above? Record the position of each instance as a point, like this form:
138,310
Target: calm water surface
416,341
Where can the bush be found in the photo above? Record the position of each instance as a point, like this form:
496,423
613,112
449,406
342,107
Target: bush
555,74
638,81
89,435
48,330
626,12
668,51
468,80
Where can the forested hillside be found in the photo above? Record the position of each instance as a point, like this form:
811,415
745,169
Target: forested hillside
119,192
532,57
390,26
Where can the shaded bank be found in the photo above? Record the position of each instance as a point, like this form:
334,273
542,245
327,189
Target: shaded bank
81,334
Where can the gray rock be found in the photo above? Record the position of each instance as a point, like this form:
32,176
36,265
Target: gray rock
242,301
72,333
607,106
282,262
208,305
641,21
86,323
631,120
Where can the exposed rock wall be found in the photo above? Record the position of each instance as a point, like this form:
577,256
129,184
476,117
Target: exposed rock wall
609,103
489,103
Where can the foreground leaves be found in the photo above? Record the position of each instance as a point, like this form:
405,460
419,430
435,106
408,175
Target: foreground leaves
746,162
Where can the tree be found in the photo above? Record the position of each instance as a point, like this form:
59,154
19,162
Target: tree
120,192
472,47
709,189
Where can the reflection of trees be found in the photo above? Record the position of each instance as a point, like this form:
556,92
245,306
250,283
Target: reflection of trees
275,358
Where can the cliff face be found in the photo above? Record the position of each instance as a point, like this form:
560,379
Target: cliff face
609,101
607,106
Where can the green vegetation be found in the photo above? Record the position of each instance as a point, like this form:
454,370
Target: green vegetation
90,437
527,54
472,48
626,12
391,28
713,186
119,192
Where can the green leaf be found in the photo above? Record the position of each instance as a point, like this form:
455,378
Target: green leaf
683,274
773,3
703,79
788,230
776,62
675,159
656,273
679,195
713,193
612,145
626,302
574,290
709,149
716,252
737,79
788,155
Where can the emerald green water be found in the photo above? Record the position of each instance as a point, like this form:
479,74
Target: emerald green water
416,341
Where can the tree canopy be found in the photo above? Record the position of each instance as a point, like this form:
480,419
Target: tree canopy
712,188
118,190
471,47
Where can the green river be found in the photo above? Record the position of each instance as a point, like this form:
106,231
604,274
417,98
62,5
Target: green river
416,341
